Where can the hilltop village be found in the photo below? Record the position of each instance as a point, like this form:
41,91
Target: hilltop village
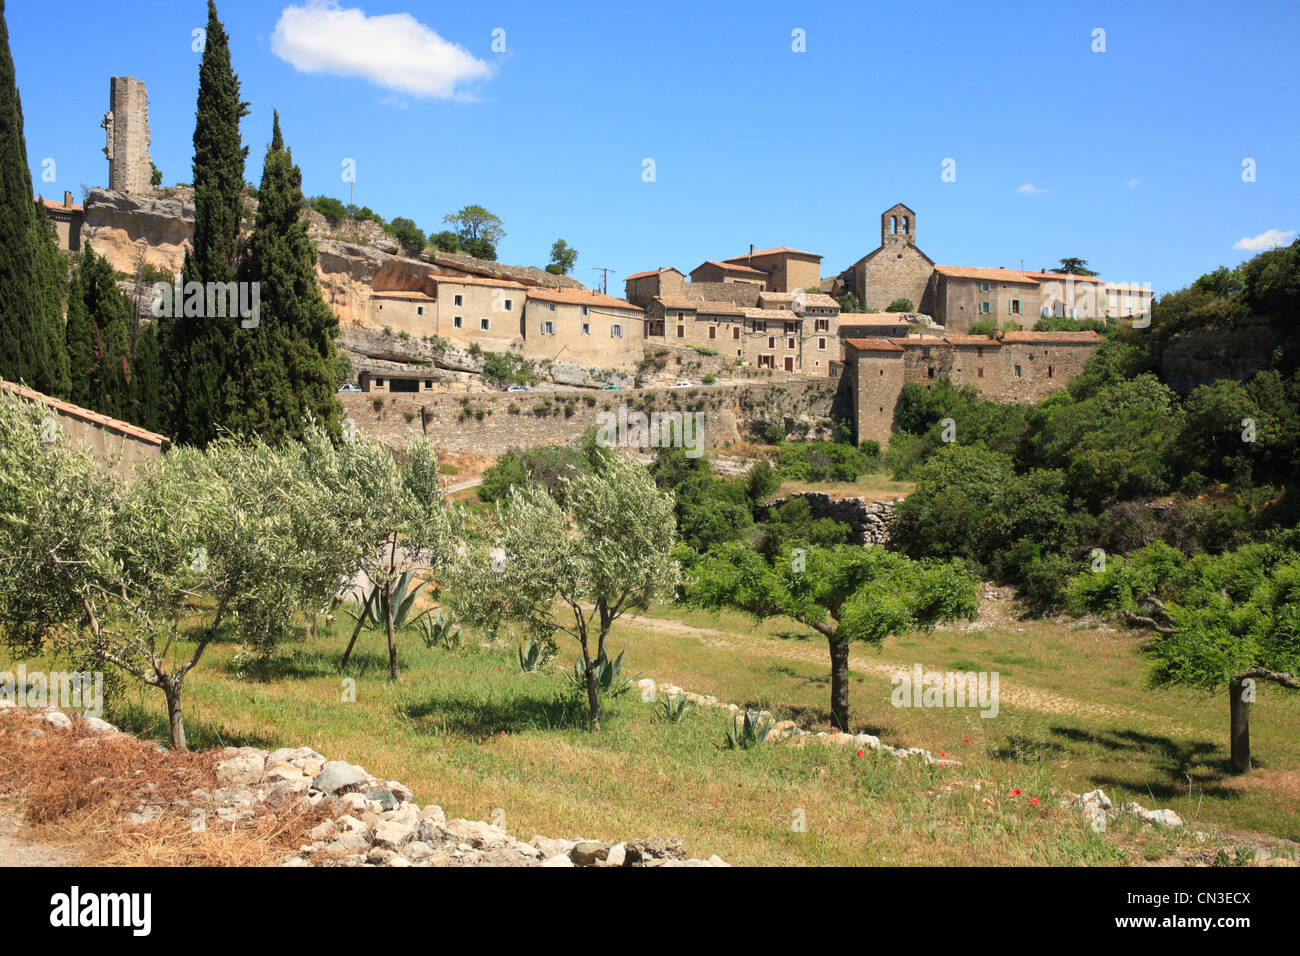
765,315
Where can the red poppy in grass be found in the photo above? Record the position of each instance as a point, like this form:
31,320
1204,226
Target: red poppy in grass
965,740
942,754
1015,792
1034,801
859,753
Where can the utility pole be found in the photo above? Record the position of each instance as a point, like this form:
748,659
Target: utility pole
604,278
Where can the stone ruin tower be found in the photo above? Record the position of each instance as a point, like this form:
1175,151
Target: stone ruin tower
126,125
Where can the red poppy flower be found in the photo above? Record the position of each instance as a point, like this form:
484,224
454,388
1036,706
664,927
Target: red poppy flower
1034,801
859,753
1015,792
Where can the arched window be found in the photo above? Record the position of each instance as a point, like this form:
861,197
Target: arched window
893,225
905,226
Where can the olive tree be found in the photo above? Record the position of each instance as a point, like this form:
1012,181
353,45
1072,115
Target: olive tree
143,574
574,568
845,593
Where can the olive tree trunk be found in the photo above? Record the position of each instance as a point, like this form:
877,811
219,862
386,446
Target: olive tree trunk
1239,725
839,684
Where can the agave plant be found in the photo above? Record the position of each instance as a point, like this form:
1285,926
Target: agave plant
438,631
609,676
402,598
753,731
675,708
531,656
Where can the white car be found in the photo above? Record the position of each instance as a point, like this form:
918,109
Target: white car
349,387
518,388
682,384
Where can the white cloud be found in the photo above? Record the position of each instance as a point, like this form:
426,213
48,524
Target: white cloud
1029,189
1133,183
395,51
1265,240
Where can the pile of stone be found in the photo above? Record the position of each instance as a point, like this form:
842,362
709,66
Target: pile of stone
788,730
1098,809
372,822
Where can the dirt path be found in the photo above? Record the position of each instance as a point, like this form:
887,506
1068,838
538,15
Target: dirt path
1009,694
17,851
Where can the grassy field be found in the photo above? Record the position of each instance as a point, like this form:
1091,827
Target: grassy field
466,729
867,486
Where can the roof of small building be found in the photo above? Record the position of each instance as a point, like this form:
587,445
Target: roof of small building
779,251
775,315
728,267
402,294
1086,337
53,205
874,345
478,280
919,340
1061,275
992,275
815,300
581,297
707,306
97,418
970,340
653,272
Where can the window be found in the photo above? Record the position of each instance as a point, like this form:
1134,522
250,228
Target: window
1014,307
458,322
821,344
483,324
738,353
457,300
551,306
508,303
681,331
771,341
979,372
713,331
925,351
986,308
760,325
789,343
586,328
822,325
616,331
1017,371
548,328
979,352
584,310
428,383
379,381
1051,371
985,286
930,370
791,328
735,331
419,310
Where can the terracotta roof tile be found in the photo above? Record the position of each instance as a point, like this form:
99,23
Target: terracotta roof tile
780,250
729,267
581,297
816,300
85,414
707,306
1060,276
478,280
990,275
874,345
402,294
970,340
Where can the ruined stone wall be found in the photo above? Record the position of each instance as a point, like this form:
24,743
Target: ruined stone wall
490,422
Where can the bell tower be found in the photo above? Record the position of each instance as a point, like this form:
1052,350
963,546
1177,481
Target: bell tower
897,226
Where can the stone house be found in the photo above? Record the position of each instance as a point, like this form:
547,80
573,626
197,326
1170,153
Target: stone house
1009,367
711,271
478,310
819,330
960,295
66,217
1125,300
584,327
641,288
784,269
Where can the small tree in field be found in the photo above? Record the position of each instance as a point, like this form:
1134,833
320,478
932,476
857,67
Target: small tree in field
575,568
238,538
402,523
845,593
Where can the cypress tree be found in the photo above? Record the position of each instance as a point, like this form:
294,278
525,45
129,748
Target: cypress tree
283,368
197,347
147,382
97,338
31,314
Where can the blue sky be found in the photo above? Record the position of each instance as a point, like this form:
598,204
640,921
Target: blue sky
1131,158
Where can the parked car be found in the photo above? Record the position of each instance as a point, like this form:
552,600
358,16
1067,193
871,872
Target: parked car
682,384
518,388
609,388
349,387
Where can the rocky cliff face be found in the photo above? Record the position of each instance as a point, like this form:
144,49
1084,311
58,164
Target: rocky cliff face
1203,356
130,231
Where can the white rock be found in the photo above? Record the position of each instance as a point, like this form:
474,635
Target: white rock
617,854
559,860
244,770
57,719
391,834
